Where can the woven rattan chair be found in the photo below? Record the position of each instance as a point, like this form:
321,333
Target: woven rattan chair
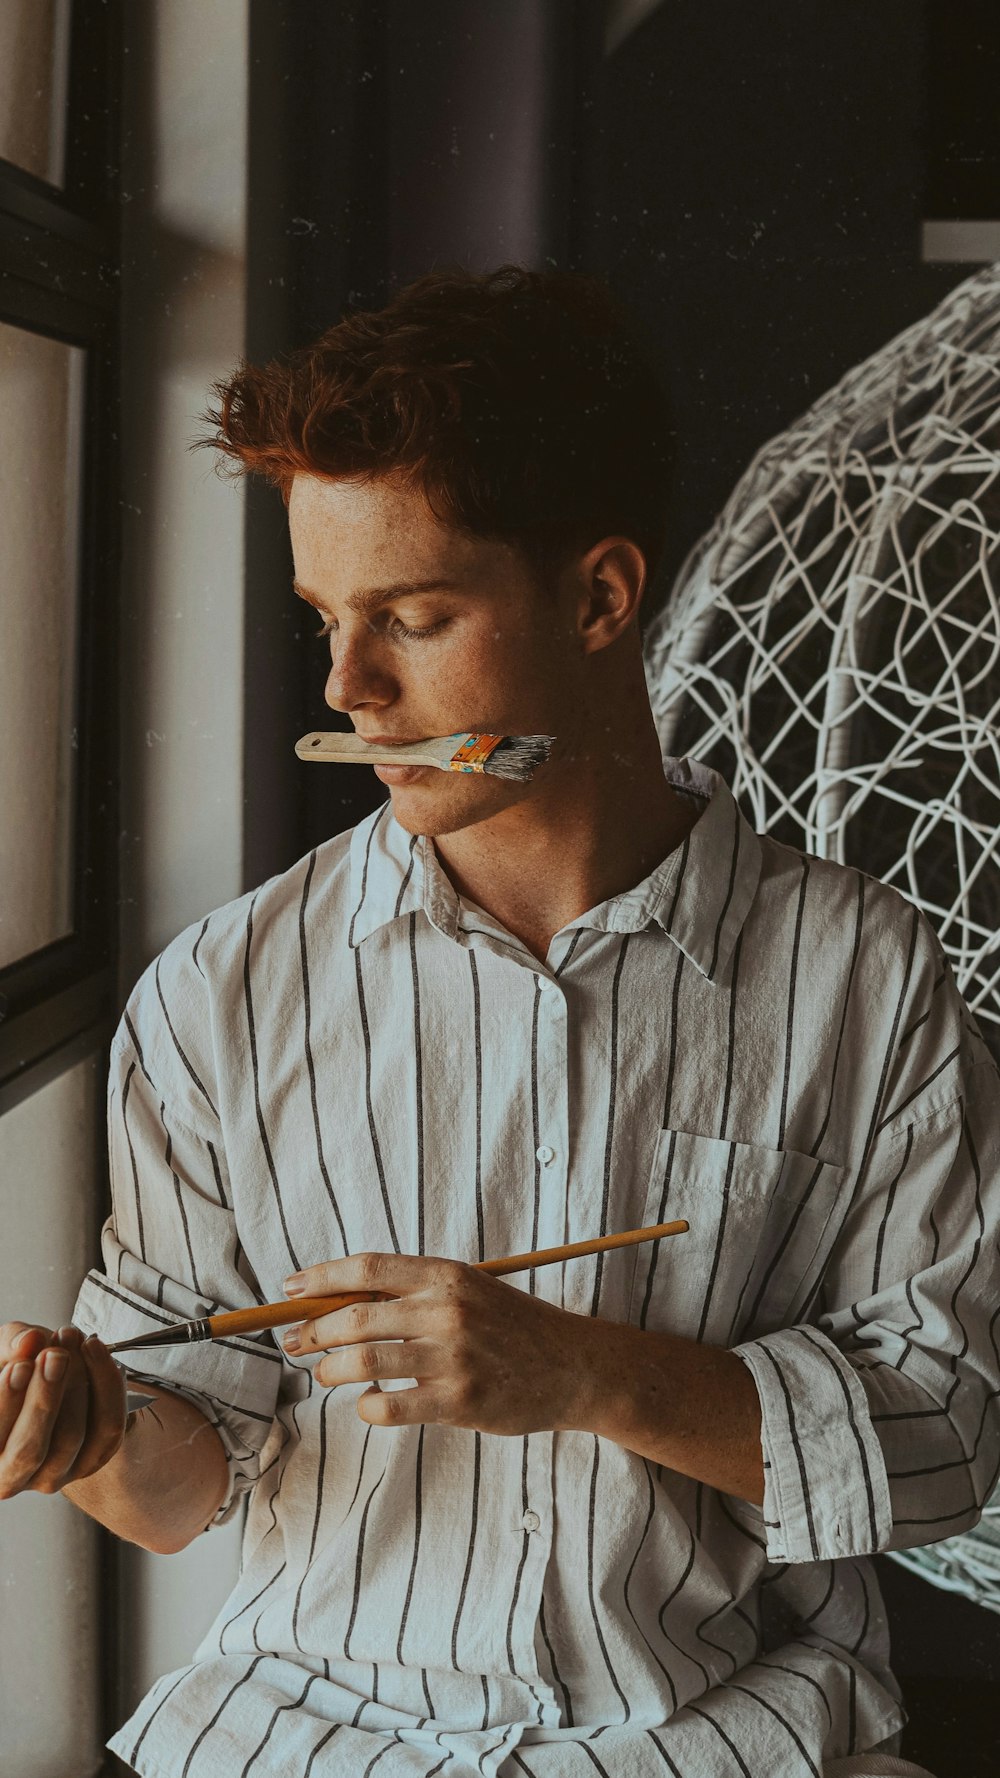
832,646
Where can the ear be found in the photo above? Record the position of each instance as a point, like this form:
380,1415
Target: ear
612,578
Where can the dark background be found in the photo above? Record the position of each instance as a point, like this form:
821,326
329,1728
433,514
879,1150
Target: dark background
751,180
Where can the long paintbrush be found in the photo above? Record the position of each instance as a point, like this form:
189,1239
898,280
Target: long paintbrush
251,1321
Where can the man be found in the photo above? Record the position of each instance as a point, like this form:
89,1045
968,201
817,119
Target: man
610,1515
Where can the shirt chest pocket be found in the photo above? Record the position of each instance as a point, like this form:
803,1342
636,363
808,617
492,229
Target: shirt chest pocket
761,1226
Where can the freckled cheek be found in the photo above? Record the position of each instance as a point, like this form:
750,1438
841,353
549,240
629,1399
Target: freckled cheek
457,680
448,680
510,657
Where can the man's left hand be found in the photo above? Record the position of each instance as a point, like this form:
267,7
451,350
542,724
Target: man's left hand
483,1354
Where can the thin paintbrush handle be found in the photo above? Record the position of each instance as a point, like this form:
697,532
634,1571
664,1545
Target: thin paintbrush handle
548,1256
305,1308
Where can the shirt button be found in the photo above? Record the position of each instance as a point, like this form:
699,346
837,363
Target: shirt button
543,982
545,1154
530,1521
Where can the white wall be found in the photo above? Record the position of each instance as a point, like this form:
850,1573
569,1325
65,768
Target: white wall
48,1550
184,179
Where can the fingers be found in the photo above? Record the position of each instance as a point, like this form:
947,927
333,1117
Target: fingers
367,1363
30,1398
15,1376
396,1274
70,1425
62,1413
22,1340
358,1321
20,1344
106,1413
399,1407
368,1341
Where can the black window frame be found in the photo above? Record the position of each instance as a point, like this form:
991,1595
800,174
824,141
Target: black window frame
60,275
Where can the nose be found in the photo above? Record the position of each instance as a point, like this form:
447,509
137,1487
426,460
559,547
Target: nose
356,676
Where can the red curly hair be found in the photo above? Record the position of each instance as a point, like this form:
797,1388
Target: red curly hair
520,401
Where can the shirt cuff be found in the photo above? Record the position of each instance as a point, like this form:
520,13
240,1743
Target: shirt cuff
826,1494
233,1381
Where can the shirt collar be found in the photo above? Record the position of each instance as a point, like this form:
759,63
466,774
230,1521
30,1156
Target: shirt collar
699,895
394,873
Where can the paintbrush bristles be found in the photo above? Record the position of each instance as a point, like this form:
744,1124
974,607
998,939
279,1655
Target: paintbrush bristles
518,756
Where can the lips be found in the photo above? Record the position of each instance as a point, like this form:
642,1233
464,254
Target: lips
393,774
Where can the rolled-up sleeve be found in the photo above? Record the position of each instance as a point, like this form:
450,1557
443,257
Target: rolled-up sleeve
880,1422
825,1488
171,1250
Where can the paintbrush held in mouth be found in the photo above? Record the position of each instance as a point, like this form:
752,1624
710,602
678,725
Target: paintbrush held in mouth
501,756
252,1321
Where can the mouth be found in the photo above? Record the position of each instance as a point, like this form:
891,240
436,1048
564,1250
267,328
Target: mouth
402,774
407,774
390,774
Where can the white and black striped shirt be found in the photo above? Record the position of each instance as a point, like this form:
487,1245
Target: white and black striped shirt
354,1058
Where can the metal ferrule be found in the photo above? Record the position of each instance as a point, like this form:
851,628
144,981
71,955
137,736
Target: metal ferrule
181,1335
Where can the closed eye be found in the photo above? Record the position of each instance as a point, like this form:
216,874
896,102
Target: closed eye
396,630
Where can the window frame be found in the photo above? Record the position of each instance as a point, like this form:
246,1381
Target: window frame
60,275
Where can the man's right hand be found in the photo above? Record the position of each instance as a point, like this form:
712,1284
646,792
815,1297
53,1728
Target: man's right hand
62,1408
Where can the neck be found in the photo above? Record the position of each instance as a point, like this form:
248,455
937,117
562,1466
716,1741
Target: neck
600,823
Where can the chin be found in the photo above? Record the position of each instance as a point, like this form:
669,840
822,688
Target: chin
462,800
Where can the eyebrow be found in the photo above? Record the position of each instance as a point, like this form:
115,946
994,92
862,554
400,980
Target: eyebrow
368,599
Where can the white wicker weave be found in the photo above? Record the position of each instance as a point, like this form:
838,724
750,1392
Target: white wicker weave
832,646
833,643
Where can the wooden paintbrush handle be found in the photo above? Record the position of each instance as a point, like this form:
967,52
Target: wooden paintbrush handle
548,1256
348,749
299,1308
308,1308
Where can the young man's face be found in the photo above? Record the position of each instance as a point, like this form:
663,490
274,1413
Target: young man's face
488,651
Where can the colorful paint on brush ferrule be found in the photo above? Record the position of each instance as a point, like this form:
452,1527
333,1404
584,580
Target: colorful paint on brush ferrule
473,752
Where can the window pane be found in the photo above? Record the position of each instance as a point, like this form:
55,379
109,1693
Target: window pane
41,382
34,58
49,1602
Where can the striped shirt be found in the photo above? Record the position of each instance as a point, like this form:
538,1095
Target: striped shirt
353,1057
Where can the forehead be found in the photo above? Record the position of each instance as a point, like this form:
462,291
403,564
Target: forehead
362,515
349,532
